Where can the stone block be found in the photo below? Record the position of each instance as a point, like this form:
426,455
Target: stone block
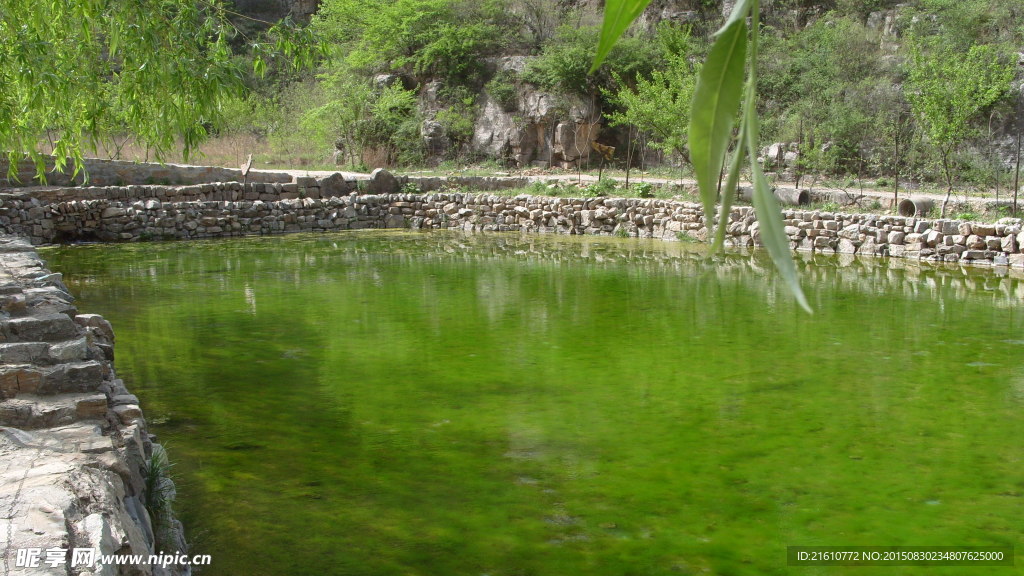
98,324
42,328
70,350
127,413
24,353
976,242
73,377
113,212
92,406
983,229
382,182
846,246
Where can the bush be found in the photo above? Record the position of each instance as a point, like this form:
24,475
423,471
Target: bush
564,64
643,189
435,38
504,89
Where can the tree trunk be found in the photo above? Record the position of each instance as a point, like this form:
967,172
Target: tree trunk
896,162
949,183
1016,171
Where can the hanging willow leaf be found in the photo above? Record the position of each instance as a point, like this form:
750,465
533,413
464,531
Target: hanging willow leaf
715,102
769,218
740,11
729,191
618,15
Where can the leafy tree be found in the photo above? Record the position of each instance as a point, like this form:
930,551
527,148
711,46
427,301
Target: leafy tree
564,64
70,69
948,88
659,105
164,68
819,86
445,38
344,115
964,23
393,126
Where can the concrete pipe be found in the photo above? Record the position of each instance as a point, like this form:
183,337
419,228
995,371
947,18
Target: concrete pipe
915,206
792,197
785,196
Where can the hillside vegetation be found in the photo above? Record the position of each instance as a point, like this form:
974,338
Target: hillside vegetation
928,90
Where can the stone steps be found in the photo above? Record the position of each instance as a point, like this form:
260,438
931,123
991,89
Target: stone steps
74,448
33,412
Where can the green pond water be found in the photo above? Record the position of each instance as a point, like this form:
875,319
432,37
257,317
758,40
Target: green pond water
398,403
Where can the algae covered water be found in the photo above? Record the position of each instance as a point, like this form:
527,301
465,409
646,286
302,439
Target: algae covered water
397,403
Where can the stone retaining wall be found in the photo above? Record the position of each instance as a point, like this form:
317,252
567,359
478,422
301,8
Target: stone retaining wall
123,173
319,205
74,447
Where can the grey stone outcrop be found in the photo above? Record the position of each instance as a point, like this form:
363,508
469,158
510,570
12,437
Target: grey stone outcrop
74,446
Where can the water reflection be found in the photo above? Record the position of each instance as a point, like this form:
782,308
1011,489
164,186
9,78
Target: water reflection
448,404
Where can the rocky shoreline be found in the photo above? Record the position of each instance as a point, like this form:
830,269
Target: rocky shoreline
80,472
80,476
332,203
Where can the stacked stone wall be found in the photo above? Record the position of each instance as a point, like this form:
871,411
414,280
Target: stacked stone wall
123,173
77,473
307,204
310,205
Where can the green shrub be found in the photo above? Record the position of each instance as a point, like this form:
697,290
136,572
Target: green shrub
504,89
564,64
643,189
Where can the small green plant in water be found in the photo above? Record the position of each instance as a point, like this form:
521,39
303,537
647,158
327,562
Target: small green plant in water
158,499
685,237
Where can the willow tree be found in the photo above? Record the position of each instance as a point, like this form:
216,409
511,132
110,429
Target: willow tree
72,70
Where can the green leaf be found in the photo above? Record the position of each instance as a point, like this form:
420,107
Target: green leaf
769,219
618,15
729,192
715,102
740,11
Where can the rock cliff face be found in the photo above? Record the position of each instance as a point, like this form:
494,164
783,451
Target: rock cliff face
537,128
80,477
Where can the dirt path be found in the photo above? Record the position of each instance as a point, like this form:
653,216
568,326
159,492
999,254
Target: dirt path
842,196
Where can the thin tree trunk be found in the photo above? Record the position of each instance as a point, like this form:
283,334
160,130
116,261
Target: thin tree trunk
949,183
629,152
1016,171
896,163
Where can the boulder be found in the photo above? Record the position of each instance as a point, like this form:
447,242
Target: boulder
382,182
